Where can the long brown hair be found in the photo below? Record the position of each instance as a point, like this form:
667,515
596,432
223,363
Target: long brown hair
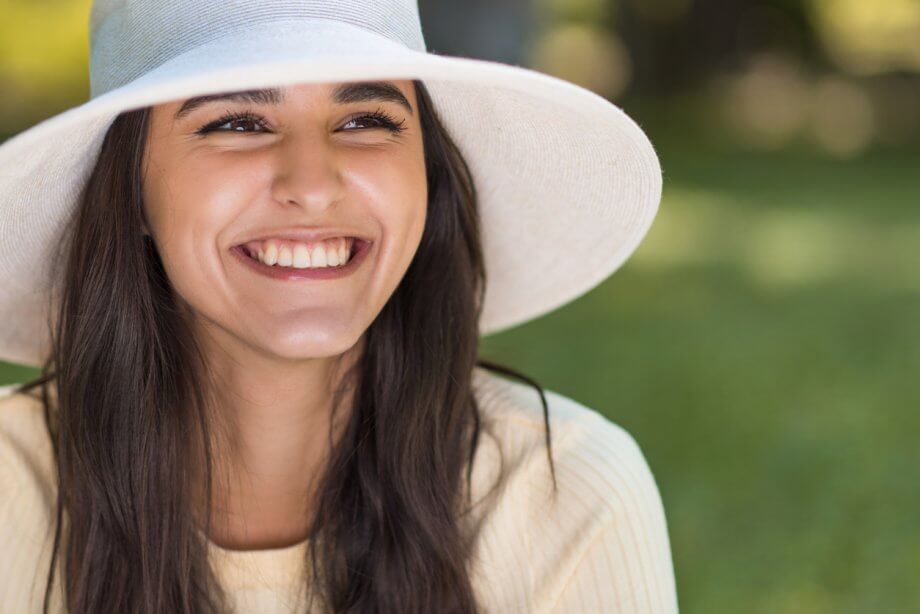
125,375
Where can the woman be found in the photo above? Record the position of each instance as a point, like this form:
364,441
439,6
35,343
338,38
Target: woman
253,268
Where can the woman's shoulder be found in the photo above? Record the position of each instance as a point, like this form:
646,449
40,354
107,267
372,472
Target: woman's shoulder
598,465
600,499
27,500
22,422
26,459
22,425
581,432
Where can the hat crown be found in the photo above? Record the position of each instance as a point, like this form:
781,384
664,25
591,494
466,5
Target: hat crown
130,37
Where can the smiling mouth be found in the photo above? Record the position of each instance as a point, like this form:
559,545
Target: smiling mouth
356,245
291,273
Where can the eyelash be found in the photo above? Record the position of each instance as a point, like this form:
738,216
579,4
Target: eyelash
389,123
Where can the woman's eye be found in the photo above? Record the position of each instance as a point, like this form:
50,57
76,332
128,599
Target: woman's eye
378,119
365,119
247,122
239,121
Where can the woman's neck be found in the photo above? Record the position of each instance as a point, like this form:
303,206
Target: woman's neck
275,421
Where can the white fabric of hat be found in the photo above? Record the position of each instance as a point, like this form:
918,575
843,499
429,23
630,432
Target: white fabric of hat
567,183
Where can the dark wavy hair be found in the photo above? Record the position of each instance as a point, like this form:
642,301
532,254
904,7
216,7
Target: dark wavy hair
125,410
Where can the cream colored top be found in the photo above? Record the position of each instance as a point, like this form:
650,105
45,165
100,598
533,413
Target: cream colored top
603,546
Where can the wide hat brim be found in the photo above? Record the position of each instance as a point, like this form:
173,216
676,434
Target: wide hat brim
568,184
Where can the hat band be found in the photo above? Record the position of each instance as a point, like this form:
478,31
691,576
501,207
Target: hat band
130,38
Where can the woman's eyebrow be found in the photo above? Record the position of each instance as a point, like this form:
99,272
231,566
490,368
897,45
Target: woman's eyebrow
369,91
361,91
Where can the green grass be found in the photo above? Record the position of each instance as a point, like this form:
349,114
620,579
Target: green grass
762,347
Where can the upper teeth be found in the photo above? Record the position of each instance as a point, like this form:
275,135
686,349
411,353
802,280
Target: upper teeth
274,252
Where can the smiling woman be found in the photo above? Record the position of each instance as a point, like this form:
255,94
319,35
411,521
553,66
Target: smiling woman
261,387
308,165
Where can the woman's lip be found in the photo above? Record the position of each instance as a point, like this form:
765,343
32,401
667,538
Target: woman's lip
294,237
361,249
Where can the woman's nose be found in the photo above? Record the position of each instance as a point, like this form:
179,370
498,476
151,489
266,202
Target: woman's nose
308,172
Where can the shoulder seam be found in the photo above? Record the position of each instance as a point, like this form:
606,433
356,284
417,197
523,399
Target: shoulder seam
607,522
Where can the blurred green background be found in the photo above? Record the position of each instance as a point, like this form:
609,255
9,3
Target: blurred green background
762,343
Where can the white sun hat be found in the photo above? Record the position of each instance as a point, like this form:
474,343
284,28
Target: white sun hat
567,183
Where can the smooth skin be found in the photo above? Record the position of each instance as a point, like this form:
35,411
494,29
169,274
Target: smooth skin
275,345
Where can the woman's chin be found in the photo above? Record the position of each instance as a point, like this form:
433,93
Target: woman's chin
310,342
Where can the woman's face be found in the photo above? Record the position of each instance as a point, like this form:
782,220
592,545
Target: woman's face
307,158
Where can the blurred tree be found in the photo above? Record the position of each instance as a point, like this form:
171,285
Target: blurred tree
44,52
498,30
677,50
870,37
